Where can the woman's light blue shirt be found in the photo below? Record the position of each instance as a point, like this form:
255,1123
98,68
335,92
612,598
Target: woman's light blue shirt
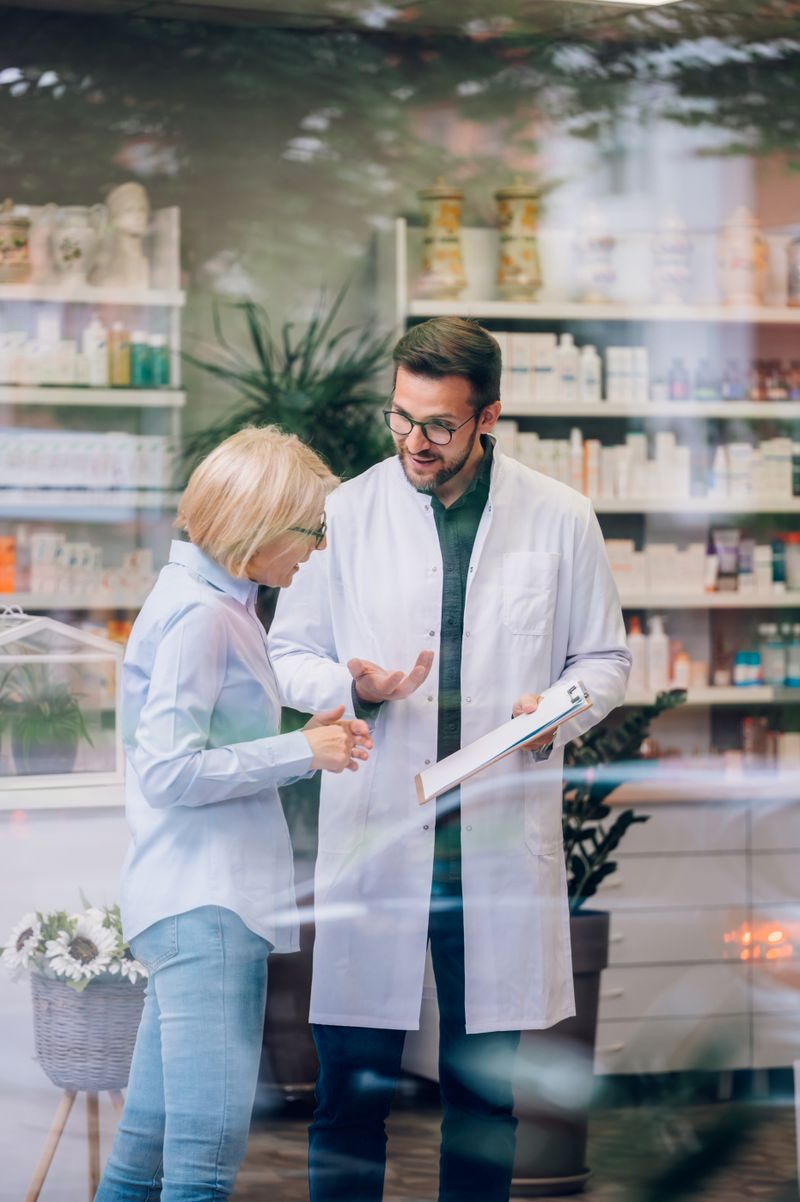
200,722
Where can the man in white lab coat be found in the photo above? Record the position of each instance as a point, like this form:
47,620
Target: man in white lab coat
486,582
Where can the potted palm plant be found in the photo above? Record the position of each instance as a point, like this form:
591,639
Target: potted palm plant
318,381
553,1129
44,719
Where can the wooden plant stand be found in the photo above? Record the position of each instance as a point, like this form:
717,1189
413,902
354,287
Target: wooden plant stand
92,1139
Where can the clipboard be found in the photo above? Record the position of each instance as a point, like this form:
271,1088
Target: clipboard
558,704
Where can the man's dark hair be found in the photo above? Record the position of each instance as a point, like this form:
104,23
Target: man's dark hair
453,346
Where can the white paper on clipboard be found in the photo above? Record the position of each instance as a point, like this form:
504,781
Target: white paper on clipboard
557,705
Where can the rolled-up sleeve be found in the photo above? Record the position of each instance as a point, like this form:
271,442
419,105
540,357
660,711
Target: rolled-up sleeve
170,750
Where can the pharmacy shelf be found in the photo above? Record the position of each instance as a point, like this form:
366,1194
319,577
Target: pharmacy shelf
87,295
575,311
736,600
734,695
710,505
82,505
33,602
60,797
724,410
147,398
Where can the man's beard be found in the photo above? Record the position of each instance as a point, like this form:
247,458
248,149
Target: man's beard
446,472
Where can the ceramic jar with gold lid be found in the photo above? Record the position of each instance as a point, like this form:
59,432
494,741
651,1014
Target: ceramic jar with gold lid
15,265
742,259
519,276
442,275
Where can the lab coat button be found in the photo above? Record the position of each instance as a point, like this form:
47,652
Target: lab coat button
432,633
469,828
430,698
427,762
468,699
466,634
426,827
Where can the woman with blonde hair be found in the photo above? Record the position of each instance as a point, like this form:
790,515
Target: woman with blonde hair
207,887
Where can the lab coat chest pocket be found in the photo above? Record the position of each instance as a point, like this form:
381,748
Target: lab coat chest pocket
530,582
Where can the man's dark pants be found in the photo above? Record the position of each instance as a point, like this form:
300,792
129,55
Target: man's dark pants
359,1068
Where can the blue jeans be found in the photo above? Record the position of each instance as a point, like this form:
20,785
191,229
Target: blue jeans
358,1073
183,1132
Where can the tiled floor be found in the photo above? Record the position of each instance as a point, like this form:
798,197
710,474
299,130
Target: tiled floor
730,1152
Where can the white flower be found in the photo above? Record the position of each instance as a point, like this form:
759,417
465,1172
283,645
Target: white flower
22,943
132,969
84,953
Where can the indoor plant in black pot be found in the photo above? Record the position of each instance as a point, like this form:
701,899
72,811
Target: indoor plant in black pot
556,1066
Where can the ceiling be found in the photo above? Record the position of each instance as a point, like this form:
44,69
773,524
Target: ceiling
473,17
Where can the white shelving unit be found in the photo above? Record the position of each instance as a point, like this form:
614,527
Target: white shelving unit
696,410
108,398
499,310
30,499
687,881
34,602
735,695
734,600
155,298
689,505
117,520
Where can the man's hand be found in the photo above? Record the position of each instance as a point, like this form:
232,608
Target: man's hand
375,684
528,703
337,742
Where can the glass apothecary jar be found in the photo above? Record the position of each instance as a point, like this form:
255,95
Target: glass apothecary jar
59,704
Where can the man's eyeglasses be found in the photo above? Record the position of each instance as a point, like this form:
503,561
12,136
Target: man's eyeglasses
317,535
435,432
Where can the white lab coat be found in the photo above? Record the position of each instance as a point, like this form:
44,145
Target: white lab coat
541,604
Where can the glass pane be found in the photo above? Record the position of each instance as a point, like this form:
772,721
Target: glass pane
58,718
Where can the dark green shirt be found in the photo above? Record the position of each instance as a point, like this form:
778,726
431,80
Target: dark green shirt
457,526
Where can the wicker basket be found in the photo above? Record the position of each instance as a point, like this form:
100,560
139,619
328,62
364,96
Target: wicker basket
85,1040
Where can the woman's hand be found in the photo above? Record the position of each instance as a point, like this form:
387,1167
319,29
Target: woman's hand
337,742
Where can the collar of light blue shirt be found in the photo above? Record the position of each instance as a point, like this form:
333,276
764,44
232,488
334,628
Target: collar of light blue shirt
191,557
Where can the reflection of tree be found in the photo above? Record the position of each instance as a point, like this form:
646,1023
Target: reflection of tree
310,138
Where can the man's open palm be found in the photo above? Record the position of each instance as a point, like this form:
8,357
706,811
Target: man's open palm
375,684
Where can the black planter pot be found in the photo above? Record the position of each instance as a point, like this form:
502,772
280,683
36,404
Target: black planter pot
555,1078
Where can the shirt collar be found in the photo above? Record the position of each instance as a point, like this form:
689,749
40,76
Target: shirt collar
191,557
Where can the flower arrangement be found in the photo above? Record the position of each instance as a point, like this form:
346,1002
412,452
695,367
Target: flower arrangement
75,948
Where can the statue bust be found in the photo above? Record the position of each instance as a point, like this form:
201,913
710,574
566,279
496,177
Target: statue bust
125,263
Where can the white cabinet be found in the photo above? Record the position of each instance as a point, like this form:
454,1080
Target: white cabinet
653,882
674,936
662,1045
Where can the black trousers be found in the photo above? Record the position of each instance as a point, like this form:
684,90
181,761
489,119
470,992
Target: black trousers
359,1069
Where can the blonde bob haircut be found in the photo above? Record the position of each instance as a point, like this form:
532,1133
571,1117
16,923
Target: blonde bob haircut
252,488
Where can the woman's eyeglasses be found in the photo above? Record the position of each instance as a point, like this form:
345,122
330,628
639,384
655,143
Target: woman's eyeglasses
317,535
